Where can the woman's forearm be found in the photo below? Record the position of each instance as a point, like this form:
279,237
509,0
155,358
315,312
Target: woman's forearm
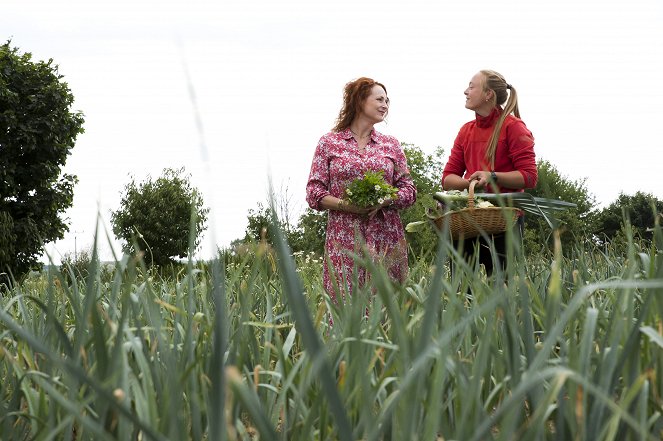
513,179
455,182
330,202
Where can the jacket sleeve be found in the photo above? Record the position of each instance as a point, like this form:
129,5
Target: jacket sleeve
317,186
456,163
521,152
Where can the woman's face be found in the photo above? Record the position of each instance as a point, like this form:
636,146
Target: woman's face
475,97
376,106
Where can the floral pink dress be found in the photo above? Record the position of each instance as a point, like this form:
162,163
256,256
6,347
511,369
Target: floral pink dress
338,161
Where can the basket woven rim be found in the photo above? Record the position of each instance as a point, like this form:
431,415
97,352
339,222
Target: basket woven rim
480,209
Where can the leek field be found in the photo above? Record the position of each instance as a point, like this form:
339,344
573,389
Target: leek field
566,346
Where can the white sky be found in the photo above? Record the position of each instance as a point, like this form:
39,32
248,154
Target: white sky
268,79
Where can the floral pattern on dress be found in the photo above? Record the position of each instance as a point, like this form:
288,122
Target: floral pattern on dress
336,162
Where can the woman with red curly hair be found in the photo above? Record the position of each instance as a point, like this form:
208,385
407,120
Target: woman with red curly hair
352,148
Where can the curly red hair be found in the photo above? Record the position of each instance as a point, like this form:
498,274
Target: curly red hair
354,95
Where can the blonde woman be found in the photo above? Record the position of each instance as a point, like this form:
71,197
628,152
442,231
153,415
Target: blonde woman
496,149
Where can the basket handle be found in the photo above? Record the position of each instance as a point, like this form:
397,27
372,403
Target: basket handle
470,197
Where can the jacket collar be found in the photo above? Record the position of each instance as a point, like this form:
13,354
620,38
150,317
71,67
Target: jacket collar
487,121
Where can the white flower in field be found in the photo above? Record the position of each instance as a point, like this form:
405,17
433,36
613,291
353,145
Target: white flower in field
377,187
119,394
348,192
380,200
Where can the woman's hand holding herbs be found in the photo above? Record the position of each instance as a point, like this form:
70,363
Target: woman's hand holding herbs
375,208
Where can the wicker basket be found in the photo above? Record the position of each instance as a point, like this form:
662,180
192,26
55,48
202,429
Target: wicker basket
471,222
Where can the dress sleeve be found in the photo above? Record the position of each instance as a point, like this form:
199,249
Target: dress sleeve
456,163
317,186
407,192
521,152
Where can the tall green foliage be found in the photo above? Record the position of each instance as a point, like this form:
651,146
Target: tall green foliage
241,349
575,225
156,215
38,130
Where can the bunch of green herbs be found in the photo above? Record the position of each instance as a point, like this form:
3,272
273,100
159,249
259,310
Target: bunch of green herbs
370,190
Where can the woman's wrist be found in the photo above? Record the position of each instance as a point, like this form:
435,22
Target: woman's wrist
341,204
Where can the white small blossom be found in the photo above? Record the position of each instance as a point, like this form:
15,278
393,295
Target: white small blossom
377,187
380,200
348,192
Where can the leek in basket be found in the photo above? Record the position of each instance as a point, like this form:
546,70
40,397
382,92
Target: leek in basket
547,208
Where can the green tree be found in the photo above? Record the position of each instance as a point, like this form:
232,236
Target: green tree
258,224
640,210
259,220
156,215
309,235
38,130
426,171
575,225
79,264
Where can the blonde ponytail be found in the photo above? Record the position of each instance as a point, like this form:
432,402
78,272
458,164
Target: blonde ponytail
502,92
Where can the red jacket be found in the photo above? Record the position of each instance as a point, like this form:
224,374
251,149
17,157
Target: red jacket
515,149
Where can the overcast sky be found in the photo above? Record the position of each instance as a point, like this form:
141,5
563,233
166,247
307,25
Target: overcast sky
268,76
